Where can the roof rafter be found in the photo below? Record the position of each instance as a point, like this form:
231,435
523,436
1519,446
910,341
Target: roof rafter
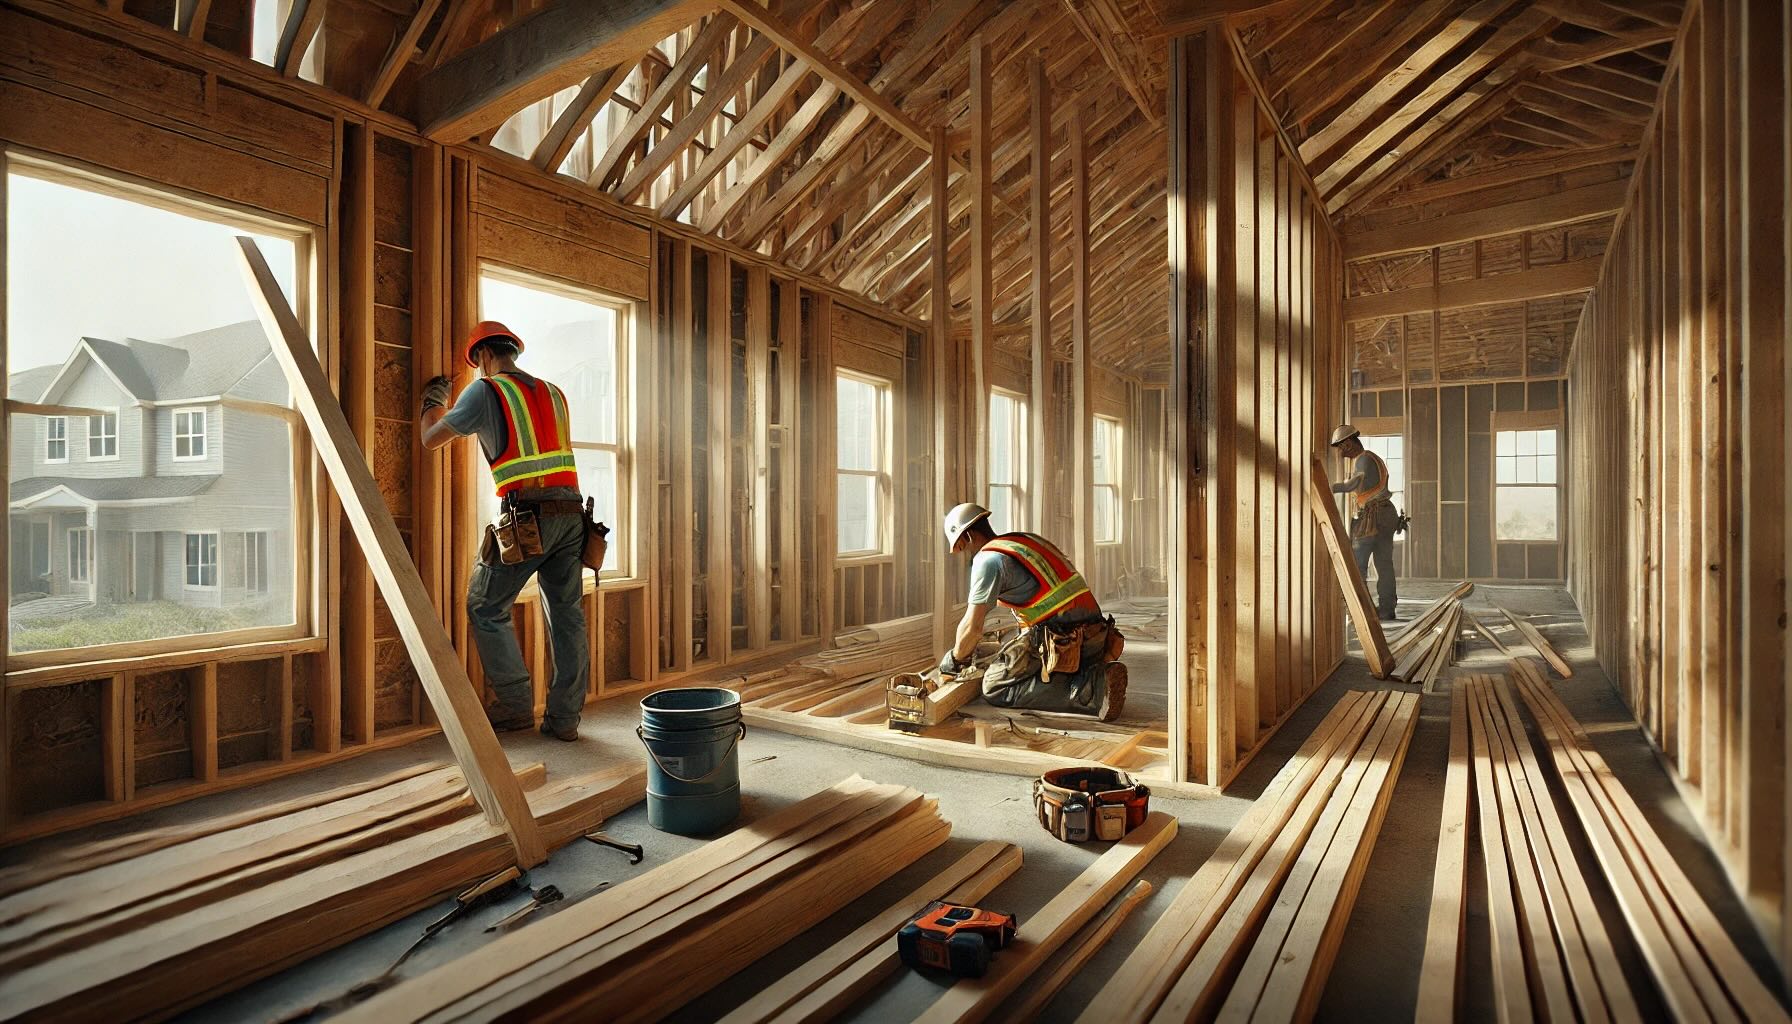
710,37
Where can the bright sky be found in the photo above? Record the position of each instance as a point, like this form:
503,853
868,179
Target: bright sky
79,263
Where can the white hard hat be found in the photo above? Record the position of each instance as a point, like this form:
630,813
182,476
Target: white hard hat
961,518
1344,433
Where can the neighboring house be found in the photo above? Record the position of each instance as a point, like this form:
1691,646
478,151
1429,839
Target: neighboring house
172,494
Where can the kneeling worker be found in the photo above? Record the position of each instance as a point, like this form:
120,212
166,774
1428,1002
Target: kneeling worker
1372,531
522,426
1064,658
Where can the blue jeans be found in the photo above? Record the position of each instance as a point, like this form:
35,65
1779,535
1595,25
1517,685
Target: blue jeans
491,593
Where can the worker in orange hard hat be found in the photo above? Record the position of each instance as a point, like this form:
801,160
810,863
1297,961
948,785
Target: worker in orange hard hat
524,432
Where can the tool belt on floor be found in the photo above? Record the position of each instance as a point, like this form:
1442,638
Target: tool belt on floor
1082,804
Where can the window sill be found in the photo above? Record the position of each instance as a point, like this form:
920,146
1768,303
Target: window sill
864,558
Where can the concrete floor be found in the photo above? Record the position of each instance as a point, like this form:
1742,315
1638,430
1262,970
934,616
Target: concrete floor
1376,975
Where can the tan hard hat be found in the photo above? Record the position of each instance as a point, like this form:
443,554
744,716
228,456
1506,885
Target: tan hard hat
961,519
1344,433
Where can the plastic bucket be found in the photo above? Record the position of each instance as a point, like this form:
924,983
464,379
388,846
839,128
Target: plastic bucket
692,735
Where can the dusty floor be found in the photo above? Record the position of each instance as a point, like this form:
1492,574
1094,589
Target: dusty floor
1375,977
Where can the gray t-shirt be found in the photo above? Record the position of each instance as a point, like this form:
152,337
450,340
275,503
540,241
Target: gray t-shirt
479,411
995,576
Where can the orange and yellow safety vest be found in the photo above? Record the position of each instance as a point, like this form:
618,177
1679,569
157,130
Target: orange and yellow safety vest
1380,490
1061,587
538,449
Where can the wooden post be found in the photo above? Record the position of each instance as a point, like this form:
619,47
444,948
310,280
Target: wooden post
717,350
679,420
1356,594
759,584
1039,432
982,289
827,460
444,678
790,363
202,718
940,299
1082,482
357,403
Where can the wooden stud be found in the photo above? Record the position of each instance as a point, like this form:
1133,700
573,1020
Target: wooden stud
1042,420
982,297
942,363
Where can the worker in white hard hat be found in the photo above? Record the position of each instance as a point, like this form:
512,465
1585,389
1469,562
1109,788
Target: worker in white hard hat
1065,657
1376,520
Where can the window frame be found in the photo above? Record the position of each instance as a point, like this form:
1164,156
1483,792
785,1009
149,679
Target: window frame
112,437
1019,460
187,565
175,436
261,556
61,421
882,390
1554,485
1115,458
84,534
626,433
310,545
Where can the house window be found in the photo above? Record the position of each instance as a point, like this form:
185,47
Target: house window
1392,449
80,555
862,433
1007,461
202,559
189,435
102,436
1524,474
56,439
581,342
158,319
40,550
255,562
1104,455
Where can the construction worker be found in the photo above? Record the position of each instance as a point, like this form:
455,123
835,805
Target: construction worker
1376,520
1064,658
522,425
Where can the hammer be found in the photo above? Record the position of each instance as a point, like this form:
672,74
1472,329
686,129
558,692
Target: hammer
635,853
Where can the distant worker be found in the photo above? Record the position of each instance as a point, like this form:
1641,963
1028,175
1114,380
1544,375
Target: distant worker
1065,656
1372,530
522,426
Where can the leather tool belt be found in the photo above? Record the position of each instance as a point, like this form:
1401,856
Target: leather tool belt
1081,804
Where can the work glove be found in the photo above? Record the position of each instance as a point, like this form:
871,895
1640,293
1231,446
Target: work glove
950,665
437,392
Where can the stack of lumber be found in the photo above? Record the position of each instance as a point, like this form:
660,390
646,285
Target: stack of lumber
1427,645
643,949
147,926
1254,932
1539,644
1698,970
1054,927
1552,956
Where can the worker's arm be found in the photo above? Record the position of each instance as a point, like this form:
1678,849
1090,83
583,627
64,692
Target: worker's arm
1349,484
436,429
970,630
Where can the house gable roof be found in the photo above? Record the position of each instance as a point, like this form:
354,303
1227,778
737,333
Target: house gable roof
102,489
197,365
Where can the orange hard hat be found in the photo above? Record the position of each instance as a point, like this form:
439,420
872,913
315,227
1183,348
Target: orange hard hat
486,330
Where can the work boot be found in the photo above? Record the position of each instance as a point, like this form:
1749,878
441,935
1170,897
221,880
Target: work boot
1114,700
564,731
1387,615
505,719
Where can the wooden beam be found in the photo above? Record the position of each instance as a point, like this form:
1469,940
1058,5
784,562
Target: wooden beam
719,90
1082,427
1104,45
1039,240
438,667
564,133
827,67
555,47
302,23
1356,593
1525,215
981,295
714,32
943,366
1182,17
403,49
1441,976
1536,283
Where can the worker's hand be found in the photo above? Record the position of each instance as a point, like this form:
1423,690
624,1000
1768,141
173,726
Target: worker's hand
950,665
437,392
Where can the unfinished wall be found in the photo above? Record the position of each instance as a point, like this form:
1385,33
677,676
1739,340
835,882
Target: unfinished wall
1677,381
1257,365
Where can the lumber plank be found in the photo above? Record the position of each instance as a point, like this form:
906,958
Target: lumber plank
1063,967
1512,1000
1562,207
976,999
1440,976
1356,593
1539,644
439,667
1140,983
830,981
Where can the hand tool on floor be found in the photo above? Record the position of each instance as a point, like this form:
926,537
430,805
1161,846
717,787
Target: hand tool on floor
538,898
635,853
485,893
953,937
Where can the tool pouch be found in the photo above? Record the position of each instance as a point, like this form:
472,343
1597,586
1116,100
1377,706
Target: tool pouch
1116,643
1078,805
596,542
518,533
1063,648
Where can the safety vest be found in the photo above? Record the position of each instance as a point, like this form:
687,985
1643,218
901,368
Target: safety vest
1060,585
538,446
1380,490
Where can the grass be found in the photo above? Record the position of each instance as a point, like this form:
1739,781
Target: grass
149,620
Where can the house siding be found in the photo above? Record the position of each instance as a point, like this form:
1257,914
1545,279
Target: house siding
95,390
